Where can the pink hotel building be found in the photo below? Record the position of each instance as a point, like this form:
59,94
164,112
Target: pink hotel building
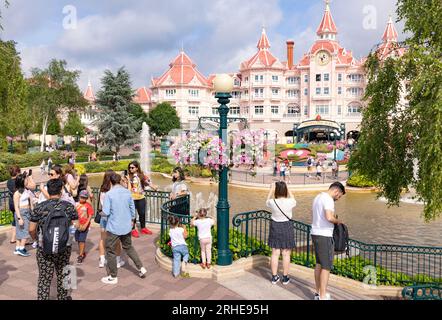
327,82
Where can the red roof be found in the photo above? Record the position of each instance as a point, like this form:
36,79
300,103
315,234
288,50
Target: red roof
89,93
182,71
263,42
327,24
390,33
390,47
264,56
142,96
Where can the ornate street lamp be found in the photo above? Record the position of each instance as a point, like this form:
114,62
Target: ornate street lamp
223,85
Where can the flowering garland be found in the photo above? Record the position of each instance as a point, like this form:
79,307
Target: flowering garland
185,148
193,146
248,147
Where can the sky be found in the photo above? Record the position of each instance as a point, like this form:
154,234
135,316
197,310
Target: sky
146,35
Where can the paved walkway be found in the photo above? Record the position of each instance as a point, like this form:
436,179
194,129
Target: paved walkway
18,279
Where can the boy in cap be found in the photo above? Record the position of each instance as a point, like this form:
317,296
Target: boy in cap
85,214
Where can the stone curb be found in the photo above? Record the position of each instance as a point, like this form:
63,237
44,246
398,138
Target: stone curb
239,267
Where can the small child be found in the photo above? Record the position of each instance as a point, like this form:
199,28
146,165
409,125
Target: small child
178,235
204,225
85,214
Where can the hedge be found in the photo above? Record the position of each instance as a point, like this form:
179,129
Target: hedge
359,181
30,159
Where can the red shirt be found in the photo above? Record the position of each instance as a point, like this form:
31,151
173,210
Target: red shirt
84,212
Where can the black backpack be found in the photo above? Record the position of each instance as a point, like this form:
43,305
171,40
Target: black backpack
340,238
309,161
55,230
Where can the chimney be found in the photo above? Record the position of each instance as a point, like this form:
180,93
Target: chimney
290,46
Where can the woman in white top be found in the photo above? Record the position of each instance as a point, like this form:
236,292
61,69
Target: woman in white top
204,226
282,234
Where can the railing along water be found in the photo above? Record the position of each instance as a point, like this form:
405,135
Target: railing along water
371,263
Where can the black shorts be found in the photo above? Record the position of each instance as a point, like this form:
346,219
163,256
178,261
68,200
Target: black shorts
80,236
324,251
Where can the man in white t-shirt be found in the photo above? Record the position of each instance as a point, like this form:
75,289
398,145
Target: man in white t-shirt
323,223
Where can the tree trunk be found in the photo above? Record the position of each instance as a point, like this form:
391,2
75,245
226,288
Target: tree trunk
44,130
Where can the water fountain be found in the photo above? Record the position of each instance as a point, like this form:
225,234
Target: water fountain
145,149
197,202
410,196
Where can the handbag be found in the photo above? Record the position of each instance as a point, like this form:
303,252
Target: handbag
97,217
283,211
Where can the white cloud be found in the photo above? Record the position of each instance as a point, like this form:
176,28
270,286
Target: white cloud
146,35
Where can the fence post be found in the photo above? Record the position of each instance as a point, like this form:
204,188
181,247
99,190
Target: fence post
307,264
375,255
247,236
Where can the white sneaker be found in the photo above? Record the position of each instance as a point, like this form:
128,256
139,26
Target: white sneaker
101,263
16,251
120,263
34,244
142,272
109,280
327,297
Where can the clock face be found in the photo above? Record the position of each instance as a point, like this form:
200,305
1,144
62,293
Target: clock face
322,58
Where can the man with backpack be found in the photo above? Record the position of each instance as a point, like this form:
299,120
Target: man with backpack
323,224
50,221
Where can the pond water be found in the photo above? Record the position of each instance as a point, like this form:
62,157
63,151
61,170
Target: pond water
368,219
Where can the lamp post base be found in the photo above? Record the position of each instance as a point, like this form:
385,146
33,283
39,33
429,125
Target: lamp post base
224,258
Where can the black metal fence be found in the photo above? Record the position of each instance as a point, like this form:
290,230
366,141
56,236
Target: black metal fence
372,263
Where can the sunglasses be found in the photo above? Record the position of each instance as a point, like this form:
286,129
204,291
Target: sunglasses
132,167
52,174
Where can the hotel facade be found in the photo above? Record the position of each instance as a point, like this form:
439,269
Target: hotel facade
328,83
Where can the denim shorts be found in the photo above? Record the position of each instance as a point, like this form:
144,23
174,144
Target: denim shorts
22,232
80,236
103,222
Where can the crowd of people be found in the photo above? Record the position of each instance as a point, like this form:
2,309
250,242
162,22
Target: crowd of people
65,202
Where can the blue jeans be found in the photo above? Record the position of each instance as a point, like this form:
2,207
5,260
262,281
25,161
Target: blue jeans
178,252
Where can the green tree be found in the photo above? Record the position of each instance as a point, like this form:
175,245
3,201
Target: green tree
53,91
116,124
162,119
14,116
400,146
74,125
138,113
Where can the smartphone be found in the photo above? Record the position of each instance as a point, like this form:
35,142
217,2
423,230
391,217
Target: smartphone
30,173
125,173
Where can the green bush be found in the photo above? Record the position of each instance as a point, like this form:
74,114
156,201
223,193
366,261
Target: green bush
6,217
359,181
193,170
160,164
206,173
94,167
30,159
4,174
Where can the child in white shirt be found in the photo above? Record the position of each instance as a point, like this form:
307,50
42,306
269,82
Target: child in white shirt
178,235
204,226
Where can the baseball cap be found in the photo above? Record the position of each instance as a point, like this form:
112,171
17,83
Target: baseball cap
84,194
